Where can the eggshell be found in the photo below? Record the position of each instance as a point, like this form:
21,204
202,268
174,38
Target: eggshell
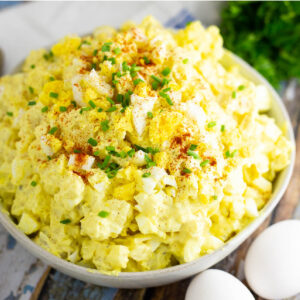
217,285
272,265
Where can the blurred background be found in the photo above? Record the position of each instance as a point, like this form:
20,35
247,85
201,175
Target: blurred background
266,34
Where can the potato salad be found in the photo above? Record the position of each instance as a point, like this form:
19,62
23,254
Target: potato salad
135,149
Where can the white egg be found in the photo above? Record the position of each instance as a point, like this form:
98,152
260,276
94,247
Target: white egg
272,265
217,285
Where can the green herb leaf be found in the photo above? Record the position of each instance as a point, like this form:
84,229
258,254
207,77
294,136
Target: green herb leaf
112,108
106,47
92,142
53,130
131,153
137,81
185,61
150,115
204,163
65,221
186,171
147,174
193,147
211,124
166,97
33,183
166,71
117,50
104,125
53,95
193,154
223,128
9,113
76,151
31,103
103,214
63,108
44,109
92,104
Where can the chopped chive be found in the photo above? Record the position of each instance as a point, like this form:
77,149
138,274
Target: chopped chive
95,52
154,85
215,197
110,101
185,61
233,95
166,71
31,89
146,60
188,23
84,109
125,67
186,171
53,130
31,103
100,109
204,163
104,125
44,109
110,148
149,114
223,128
53,95
49,157
76,151
96,153
65,221
105,162
92,142
103,214
32,66
123,154
112,60
232,154
93,66
137,81
9,113
211,124
74,103
51,78
165,81
112,108
241,87
63,108
33,183
166,90
147,174
193,147
149,161
193,154
106,47
155,78
167,97
117,50
92,104
131,153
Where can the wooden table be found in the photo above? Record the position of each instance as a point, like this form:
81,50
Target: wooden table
58,286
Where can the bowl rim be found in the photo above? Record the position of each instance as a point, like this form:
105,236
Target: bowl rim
78,271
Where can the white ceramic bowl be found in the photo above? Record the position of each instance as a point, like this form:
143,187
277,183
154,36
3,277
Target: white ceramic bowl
175,273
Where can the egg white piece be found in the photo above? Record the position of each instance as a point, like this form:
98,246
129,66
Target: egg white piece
141,105
217,285
272,265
